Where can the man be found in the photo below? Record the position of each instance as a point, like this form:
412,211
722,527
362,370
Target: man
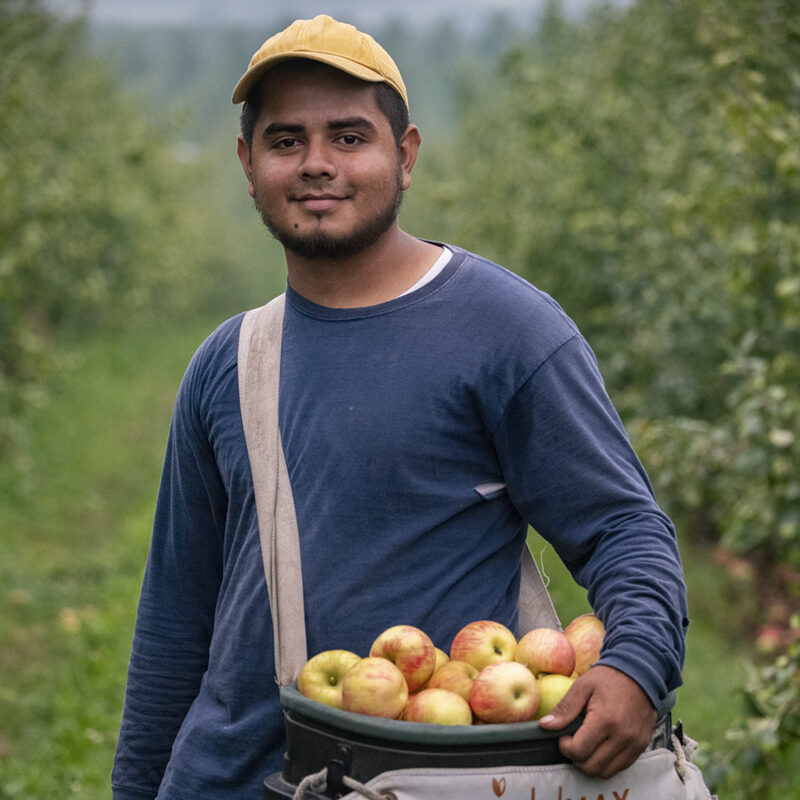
412,372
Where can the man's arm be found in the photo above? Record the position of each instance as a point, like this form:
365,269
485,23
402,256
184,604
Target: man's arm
176,608
574,476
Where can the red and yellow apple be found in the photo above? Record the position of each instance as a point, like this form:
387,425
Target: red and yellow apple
320,678
455,676
438,706
504,692
410,650
552,688
441,659
546,650
482,643
586,633
374,686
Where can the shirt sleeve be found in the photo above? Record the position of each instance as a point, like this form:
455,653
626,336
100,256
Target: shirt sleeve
574,476
175,616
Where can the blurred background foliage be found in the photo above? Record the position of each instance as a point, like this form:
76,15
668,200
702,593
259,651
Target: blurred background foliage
104,215
641,163
644,168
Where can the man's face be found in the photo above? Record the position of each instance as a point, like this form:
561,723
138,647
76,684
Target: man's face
324,169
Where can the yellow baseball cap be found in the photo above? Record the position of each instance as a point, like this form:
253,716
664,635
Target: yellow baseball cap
337,44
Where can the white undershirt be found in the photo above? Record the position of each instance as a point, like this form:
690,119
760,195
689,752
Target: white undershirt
437,267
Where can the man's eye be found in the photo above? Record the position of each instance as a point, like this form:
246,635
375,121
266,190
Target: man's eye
350,138
285,144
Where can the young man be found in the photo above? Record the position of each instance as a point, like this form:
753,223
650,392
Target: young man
412,372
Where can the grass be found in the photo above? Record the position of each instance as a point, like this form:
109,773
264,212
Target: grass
73,548
74,543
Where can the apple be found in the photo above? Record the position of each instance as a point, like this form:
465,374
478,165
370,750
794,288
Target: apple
441,659
456,676
410,650
546,650
439,706
374,686
504,692
586,633
483,642
552,688
320,678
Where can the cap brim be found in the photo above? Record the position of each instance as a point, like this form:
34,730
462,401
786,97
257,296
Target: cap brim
257,71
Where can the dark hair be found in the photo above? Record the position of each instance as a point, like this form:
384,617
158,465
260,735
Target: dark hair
250,111
394,109
388,100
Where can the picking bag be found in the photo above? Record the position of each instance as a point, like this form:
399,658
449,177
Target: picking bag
336,754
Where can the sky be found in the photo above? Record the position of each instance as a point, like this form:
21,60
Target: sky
367,12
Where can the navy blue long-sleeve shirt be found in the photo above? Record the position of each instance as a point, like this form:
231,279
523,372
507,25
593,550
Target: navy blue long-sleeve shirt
390,417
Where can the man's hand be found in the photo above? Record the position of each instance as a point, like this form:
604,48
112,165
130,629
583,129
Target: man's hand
617,726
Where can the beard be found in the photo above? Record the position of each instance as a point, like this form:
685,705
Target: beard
327,246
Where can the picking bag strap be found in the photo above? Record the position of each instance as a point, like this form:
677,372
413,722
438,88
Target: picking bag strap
536,609
259,376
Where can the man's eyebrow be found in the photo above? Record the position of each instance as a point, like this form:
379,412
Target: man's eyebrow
350,122
283,127
333,125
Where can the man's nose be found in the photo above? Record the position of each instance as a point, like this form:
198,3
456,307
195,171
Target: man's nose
318,161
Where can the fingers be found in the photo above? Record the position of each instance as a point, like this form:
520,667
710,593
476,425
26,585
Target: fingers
617,725
602,752
572,704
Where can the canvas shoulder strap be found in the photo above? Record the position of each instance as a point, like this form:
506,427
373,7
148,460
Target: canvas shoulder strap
536,609
259,375
259,379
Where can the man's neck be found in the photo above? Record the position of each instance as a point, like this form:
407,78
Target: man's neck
376,275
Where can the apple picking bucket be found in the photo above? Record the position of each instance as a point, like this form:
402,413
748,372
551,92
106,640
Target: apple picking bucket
359,748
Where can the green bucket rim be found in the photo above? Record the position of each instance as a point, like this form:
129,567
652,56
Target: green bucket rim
423,732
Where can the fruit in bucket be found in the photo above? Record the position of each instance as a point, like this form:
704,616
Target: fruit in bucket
483,642
456,676
438,706
504,692
410,650
499,679
551,689
586,633
321,676
441,659
376,687
545,650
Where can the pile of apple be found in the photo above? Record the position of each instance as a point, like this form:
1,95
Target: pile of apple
488,677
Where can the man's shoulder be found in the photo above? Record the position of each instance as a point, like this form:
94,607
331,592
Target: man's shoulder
497,291
220,343
213,362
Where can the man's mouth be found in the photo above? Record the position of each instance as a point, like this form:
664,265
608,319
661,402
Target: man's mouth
322,201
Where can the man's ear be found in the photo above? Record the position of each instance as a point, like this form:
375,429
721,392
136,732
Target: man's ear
408,149
243,151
